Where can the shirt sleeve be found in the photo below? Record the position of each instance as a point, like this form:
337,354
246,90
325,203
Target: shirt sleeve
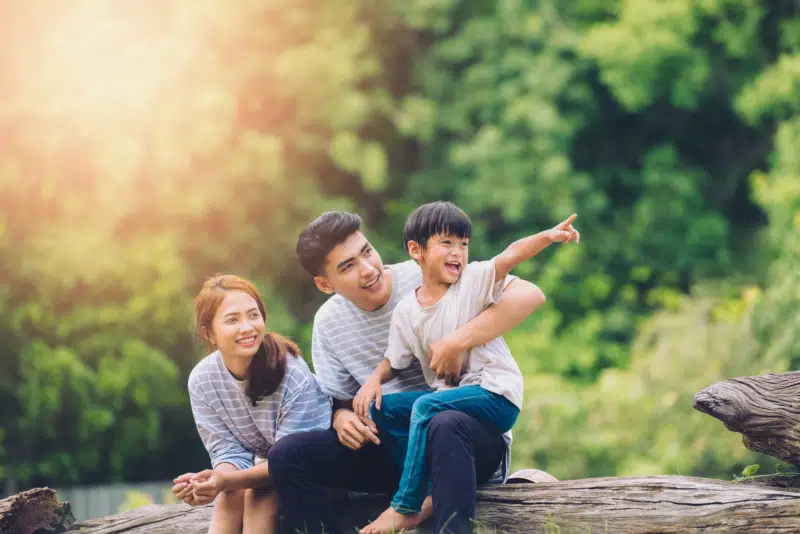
218,440
481,280
304,407
335,380
399,351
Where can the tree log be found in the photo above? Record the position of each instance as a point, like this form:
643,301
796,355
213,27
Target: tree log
764,409
619,505
32,510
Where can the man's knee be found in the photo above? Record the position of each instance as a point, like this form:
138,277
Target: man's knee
282,454
448,423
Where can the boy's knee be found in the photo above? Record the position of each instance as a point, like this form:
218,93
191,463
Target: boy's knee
423,407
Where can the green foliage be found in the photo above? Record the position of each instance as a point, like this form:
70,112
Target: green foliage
122,194
135,499
640,420
750,470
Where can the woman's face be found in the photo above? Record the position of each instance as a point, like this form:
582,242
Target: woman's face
238,326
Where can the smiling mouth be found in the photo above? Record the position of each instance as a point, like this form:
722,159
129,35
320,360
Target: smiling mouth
453,266
246,340
372,284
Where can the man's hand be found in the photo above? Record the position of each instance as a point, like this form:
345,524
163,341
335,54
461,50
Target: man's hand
564,232
446,361
370,391
354,431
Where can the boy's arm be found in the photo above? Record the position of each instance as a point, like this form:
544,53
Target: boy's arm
530,246
372,390
383,373
517,302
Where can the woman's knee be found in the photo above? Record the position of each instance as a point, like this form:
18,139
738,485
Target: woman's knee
261,511
230,502
262,501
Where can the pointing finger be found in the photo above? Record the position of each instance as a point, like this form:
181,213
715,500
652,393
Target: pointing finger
568,222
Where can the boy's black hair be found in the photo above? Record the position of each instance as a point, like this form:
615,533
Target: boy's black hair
436,218
321,236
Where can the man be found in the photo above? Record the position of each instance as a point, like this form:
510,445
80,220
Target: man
349,339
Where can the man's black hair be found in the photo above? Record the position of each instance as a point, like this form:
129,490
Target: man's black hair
321,236
436,218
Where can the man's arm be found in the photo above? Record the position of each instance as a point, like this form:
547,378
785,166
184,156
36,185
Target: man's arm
338,384
517,302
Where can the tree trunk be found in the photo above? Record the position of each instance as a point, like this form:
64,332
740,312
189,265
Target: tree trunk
763,409
618,505
29,511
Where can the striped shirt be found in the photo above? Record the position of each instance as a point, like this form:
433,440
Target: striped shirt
348,343
233,430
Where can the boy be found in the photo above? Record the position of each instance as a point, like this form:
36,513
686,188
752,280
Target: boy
452,292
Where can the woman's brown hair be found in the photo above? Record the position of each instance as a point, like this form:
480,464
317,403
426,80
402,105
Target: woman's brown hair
269,363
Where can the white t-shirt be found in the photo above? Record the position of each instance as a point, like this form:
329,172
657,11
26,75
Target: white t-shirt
414,329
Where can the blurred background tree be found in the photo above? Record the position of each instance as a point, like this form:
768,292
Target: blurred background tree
147,145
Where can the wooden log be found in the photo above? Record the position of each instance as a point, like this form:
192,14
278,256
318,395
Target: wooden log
764,409
782,481
32,510
619,505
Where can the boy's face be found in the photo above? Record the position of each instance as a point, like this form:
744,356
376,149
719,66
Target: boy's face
354,270
443,259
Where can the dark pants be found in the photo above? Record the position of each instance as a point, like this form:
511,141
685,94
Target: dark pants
462,453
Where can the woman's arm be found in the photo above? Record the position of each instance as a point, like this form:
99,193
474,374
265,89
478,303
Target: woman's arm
218,440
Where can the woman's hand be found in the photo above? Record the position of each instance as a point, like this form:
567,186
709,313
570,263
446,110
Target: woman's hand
197,489
183,489
371,390
206,485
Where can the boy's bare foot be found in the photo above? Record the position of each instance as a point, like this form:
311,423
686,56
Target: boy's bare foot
427,509
391,521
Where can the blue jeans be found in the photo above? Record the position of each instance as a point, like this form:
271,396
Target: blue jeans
405,418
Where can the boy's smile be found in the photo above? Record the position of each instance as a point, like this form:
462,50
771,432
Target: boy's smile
443,259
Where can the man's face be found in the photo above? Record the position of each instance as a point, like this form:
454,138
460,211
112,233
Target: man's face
354,270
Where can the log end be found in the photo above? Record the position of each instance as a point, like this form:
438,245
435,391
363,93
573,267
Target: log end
35,510
716,401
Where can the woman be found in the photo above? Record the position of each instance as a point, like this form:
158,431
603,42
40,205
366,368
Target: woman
250,392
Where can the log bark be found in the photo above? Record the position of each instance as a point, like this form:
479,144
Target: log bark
32,510
621,505
764,409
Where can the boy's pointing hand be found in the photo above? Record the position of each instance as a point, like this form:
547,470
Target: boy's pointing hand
564,231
